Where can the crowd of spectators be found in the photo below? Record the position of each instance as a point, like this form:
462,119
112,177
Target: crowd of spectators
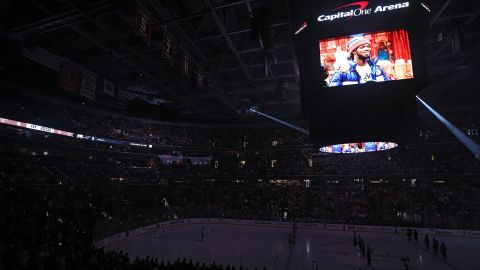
56,203
409,159
357,201
83,120
389,204
49,222
405,160
54,227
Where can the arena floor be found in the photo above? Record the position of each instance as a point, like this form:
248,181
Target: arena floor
251,247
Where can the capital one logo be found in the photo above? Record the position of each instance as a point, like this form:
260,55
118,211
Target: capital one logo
359,9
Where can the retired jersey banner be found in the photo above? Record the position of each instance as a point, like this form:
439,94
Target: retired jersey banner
199,79
70,77
108,88
186,66
168,47
89,84
143,24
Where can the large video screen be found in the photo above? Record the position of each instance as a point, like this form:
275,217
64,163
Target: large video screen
367,57
360,147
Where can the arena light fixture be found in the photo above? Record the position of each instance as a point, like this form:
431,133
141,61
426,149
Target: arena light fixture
425,6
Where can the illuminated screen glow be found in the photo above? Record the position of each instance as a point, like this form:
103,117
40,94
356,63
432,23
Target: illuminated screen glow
361,147
35,127
367,57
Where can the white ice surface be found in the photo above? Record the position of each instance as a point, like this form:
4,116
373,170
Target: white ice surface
251,247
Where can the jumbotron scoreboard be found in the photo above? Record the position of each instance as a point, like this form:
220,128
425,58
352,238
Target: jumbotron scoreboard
360,65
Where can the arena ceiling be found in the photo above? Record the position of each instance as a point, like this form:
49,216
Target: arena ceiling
100,36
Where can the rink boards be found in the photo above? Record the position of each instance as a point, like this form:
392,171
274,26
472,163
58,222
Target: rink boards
276,224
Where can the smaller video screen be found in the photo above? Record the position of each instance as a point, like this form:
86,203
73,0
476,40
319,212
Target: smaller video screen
359,147
367,57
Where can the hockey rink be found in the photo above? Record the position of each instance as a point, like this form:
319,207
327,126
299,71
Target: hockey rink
252,246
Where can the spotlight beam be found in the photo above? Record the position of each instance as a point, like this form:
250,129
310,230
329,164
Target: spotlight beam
301,130
471,145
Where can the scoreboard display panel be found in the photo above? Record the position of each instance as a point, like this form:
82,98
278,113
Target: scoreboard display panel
360,65
366,57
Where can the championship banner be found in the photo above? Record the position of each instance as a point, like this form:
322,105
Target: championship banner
70,77
143,24
108,88
186,66
168,47
199,79
89,84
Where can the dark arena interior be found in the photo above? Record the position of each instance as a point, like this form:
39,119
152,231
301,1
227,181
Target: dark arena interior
239,134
